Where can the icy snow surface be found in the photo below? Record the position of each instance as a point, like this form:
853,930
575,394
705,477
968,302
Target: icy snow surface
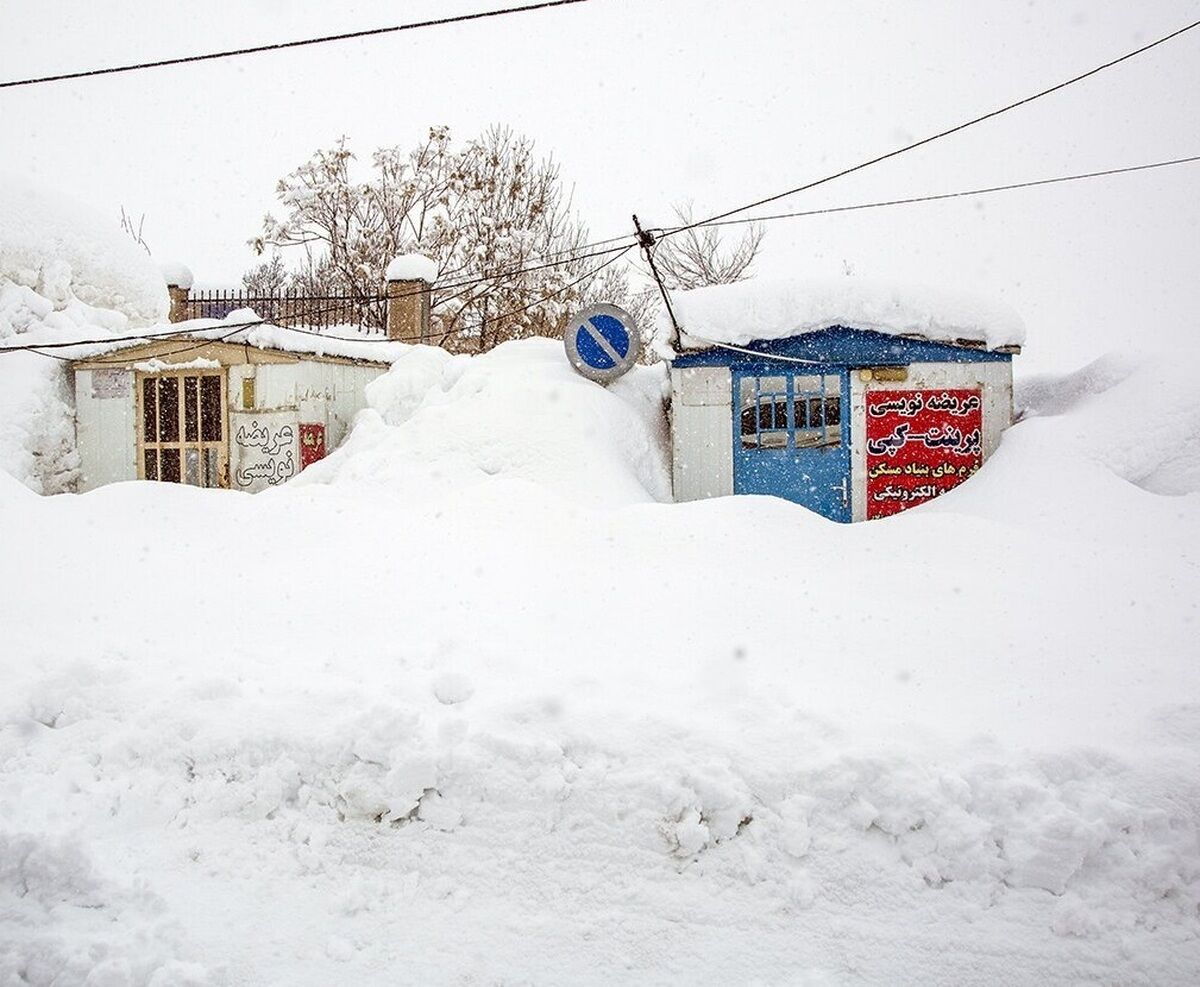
412,267
763,309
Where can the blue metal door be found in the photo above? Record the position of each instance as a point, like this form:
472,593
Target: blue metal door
791,436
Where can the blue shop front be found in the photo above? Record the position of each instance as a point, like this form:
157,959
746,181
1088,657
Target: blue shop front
852,423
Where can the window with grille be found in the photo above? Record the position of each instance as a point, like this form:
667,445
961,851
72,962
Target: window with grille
182,436
804,412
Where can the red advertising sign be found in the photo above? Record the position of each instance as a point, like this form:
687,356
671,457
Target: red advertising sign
312,443
919,445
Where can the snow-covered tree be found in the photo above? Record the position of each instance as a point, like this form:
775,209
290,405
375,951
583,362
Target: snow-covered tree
491,210
694,258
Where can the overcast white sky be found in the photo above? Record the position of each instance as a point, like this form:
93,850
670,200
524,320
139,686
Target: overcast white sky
647,103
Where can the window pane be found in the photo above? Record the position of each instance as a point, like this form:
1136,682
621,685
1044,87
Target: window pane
211,425
749,412
170,465
211,476
191,413
772,414
816,412
168,410
191,467
833,411
772,385
149,410
151,464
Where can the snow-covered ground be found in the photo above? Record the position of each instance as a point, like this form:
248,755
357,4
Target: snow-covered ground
471,703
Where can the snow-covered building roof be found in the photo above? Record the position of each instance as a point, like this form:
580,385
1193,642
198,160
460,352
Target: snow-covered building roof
243,328
741,313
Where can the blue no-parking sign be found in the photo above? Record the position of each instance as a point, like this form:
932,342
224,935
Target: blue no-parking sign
602,342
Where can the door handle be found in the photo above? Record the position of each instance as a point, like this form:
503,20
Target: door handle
844,488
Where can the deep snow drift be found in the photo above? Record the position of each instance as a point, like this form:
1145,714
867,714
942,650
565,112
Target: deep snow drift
471,702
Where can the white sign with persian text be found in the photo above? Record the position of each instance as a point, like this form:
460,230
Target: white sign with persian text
264,449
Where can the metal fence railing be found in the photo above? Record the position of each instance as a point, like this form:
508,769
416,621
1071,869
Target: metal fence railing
287,308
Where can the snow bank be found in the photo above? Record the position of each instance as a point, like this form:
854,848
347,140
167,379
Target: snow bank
472,672
1137,416
412,267
64,251
439,423
66,925
763,309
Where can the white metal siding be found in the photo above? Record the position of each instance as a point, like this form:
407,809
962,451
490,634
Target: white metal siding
701,432
105,436
338,387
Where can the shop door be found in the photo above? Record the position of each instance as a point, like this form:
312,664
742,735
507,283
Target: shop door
182,436
791,438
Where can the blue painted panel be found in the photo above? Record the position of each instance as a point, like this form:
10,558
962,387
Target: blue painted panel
591,351
818,476
843,346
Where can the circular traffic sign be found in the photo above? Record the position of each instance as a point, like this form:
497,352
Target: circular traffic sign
602,342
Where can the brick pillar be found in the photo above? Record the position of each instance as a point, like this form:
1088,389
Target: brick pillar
179,302
408,311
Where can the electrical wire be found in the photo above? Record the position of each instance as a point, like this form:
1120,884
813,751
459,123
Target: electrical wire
938,136
955,195
280,46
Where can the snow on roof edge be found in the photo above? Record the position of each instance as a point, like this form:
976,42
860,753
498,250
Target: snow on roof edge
762,310
263,336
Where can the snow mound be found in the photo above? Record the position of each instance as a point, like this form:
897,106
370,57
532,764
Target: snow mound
1138,417
65,252
412,267
439,423
66,925
764,309
177,275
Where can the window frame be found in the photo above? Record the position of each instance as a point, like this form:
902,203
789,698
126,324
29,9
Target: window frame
184,445
827,390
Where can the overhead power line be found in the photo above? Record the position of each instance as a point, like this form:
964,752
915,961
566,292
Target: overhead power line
938,136
944,195
281,46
